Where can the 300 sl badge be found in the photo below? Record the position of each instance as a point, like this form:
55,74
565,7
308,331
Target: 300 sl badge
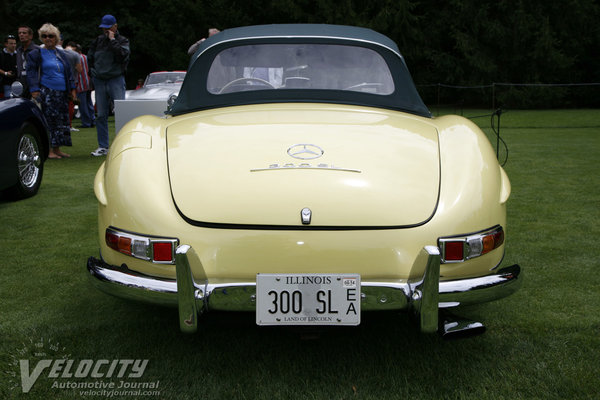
321,166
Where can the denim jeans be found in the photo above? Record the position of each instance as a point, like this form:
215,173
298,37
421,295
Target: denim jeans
86,108
106,90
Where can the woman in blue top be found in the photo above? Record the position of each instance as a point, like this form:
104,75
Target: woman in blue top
51,83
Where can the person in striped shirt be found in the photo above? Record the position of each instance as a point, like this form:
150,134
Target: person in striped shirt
84,93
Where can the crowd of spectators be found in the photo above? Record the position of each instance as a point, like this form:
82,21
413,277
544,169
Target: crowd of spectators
58,77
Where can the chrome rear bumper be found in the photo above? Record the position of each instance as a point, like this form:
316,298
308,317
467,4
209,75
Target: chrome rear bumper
423,296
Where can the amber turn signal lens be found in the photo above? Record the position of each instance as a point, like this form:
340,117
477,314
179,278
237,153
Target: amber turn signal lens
125,245
488,244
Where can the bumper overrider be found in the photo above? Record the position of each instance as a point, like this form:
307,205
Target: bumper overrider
424,296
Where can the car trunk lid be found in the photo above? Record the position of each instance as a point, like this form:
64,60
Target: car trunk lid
261,165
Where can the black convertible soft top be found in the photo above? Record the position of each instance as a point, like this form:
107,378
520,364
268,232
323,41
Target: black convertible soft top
195,95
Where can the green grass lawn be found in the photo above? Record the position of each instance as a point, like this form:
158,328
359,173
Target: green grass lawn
543,342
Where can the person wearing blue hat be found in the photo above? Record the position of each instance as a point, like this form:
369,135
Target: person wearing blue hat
108,58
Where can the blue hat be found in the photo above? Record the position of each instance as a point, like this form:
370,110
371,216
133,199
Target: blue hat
108,21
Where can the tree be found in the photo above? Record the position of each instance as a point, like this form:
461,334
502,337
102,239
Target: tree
459,42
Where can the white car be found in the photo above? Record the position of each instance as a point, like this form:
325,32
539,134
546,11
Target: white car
151,99
158,86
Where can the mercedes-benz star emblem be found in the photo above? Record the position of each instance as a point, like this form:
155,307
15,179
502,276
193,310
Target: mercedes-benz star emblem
305,151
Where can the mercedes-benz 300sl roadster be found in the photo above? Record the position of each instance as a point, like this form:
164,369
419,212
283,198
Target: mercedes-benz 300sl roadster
299,176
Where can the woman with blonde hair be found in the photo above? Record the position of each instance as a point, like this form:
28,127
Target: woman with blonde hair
51,83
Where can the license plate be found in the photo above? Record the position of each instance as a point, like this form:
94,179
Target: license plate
307,299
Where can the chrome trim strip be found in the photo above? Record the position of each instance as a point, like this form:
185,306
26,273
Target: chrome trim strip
283,37
300,166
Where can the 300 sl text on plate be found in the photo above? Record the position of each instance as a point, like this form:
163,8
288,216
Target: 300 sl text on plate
299,153
312,299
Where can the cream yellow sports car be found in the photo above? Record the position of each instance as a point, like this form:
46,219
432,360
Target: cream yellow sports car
298,175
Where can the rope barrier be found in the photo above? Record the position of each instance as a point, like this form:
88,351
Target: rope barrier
494,85
545,84
507,84
495,115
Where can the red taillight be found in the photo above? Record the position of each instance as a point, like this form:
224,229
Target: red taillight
460,248
112,240
163,251
454,251
158,250
499,238
118,242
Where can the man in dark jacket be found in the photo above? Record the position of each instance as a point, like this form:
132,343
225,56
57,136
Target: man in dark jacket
8,64
27,45
108,57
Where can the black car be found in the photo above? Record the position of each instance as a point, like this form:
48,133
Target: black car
24,146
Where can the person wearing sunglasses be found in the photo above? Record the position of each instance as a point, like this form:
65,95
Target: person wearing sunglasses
51,83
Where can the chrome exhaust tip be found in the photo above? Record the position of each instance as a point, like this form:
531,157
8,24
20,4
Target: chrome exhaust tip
453,327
